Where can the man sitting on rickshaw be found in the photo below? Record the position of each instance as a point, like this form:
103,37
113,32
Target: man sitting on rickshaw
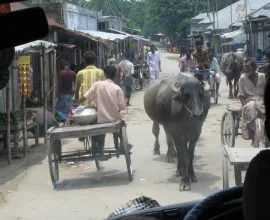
251,91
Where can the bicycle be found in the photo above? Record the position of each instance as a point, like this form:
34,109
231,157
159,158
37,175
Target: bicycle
199,74
140,79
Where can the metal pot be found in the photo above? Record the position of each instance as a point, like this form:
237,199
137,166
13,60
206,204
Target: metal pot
84,115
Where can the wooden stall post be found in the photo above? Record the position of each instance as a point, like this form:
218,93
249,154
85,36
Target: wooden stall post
25,141
8,121
45,93
54,82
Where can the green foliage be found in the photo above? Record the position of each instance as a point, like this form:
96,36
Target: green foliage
171,17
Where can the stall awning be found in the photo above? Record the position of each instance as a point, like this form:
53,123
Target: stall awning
233,34
68,46
105,35
34,44
136,37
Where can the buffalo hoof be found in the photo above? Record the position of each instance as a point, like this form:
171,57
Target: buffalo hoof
185,186
156,152
178,173
193,179
170,160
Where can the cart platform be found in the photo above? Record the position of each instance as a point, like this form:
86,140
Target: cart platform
76,131
239,157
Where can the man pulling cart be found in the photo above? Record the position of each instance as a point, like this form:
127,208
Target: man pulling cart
109,100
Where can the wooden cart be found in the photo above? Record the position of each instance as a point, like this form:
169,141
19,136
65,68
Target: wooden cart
56,154
239,158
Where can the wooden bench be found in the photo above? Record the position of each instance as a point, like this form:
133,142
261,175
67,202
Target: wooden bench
240,159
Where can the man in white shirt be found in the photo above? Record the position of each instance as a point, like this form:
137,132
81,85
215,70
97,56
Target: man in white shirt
125,71
153,62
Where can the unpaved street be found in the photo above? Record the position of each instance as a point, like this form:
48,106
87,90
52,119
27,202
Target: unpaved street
85,193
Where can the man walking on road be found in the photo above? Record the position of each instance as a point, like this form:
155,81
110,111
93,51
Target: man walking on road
153,62
87,77
109,99
124,72
187,63
66,83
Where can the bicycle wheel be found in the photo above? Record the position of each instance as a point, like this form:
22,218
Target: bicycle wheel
215,94
228,130
136,84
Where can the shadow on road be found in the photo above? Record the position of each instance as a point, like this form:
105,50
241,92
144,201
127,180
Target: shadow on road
96,180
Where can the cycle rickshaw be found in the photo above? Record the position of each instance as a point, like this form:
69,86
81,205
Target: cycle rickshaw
239,157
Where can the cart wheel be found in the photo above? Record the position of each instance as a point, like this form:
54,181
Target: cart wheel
53,163
225,173
228,130
127,154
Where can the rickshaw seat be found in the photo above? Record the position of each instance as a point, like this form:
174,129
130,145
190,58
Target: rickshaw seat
234,108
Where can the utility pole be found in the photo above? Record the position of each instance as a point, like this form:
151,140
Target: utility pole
231,15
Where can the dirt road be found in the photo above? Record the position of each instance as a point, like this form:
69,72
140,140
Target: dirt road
85,193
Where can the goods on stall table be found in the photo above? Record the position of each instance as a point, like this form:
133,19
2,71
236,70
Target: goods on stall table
24,75
16,119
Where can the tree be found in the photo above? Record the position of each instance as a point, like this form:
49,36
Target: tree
171,17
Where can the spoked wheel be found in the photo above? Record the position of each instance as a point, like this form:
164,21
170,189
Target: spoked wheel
53,163
127,153
136,83
228,130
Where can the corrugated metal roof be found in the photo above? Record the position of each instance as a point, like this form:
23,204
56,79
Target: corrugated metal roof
36,43
233,34
264,11
200,16
224,15
105,35
108,17
52,22
137,37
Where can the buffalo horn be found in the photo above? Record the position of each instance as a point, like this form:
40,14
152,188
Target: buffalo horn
174,89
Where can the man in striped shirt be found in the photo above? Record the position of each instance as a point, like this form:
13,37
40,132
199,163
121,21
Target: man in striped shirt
87,77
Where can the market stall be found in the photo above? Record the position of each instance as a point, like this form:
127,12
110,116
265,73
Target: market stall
17,118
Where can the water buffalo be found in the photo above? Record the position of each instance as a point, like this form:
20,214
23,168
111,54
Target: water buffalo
232,65
180,104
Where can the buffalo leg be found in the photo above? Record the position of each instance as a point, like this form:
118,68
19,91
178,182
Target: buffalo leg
191,150
171,154
156,130
180,142
230,88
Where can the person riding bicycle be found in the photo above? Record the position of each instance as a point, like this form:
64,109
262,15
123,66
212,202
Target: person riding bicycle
214,68
202,73
200,55
251,92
